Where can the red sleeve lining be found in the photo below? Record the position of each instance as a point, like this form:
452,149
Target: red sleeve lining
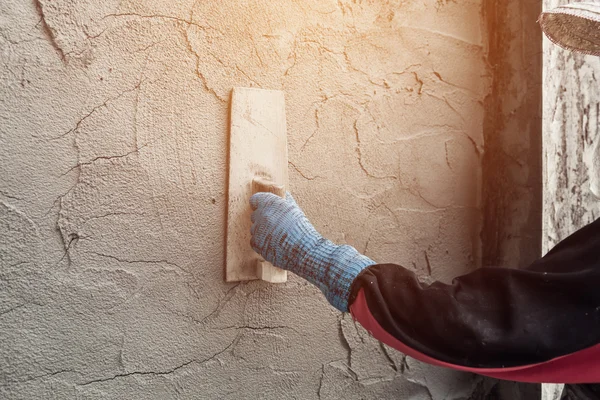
578,367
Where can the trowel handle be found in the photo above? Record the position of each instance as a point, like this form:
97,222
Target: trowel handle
265,185
264,269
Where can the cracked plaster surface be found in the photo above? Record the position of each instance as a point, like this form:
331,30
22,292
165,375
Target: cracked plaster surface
112,191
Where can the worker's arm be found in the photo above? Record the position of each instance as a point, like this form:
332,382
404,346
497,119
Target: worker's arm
282,234
492,318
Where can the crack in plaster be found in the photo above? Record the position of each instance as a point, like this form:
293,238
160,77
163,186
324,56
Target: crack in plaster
12,309
143,261
476,147
5,194
197,72
78,167
417,192
57,224
404,365
346,345
94,109
161,373
359,156
428,263
290,55
110,214
318,123
49,374
308,178
86,163
396,219
366,249
73,238
420,82
321,380
222,302
447,155
259,328
21,214
389,358
48,31
437,75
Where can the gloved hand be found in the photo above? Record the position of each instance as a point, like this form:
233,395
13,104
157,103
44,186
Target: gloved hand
283,235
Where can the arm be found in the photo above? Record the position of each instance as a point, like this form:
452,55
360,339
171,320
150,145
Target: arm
490,318
282,234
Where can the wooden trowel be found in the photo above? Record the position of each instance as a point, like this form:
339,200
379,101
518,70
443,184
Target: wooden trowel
258,162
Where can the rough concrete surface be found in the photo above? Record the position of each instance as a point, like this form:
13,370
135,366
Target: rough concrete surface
113,190
571,131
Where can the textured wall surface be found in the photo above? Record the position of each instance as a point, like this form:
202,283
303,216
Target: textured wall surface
113,189
571,130
571,122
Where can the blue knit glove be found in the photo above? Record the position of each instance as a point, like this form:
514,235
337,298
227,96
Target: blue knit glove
282,235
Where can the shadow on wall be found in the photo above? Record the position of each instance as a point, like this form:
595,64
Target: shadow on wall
512,168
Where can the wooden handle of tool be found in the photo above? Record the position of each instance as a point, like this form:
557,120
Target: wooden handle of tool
265,185
265,270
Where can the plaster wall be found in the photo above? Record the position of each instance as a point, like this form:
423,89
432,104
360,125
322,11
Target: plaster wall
113,141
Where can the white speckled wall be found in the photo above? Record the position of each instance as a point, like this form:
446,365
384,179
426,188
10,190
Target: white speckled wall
113,138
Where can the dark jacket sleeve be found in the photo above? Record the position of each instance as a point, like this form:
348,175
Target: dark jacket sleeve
494,317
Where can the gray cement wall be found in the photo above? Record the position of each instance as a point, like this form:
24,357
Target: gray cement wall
112,192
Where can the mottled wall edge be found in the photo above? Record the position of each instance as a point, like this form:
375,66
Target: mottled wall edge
512,185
